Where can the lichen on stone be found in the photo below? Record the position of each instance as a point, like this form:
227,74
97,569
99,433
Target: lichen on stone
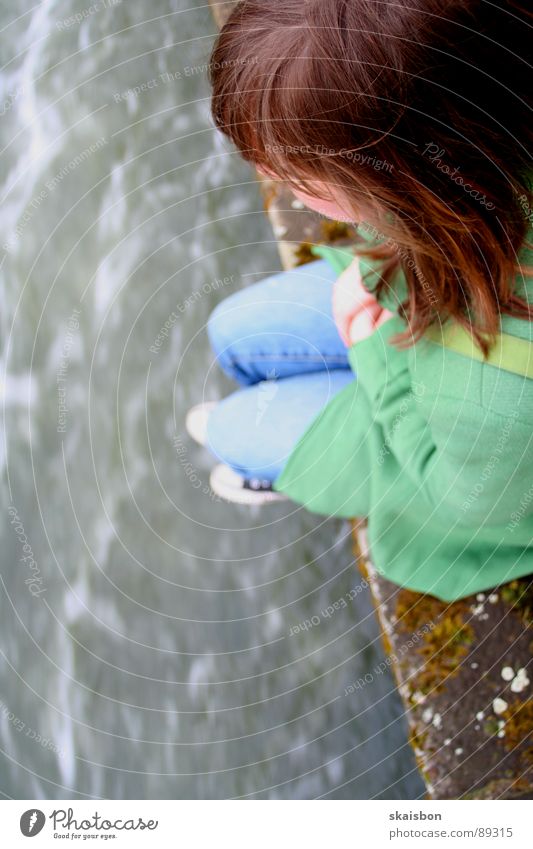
444,645
304,254
519,730
519,595
335,230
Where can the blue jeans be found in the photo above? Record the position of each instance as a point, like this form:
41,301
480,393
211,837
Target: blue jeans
277,338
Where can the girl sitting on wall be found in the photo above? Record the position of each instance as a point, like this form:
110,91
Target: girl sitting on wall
395,380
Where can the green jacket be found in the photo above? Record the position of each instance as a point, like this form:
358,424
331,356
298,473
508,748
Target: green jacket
435,447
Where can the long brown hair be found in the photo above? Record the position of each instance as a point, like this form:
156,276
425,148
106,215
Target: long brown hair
419,112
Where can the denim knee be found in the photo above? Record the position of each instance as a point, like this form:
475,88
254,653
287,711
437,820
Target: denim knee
281,325
238,438
224,328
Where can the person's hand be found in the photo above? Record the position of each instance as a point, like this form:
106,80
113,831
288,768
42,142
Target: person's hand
355,310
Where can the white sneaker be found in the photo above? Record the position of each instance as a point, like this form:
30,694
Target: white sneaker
231,486
196,421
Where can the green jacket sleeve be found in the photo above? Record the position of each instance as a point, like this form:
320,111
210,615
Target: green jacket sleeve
470,464
340,258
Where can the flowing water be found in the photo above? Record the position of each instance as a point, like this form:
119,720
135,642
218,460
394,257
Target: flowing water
150,646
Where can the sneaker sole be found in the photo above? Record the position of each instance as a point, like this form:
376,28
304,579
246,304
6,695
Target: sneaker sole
227,484
196,421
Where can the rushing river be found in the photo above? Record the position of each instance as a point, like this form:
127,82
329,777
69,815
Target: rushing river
149,640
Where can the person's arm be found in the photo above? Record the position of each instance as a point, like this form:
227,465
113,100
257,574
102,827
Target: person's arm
472,465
